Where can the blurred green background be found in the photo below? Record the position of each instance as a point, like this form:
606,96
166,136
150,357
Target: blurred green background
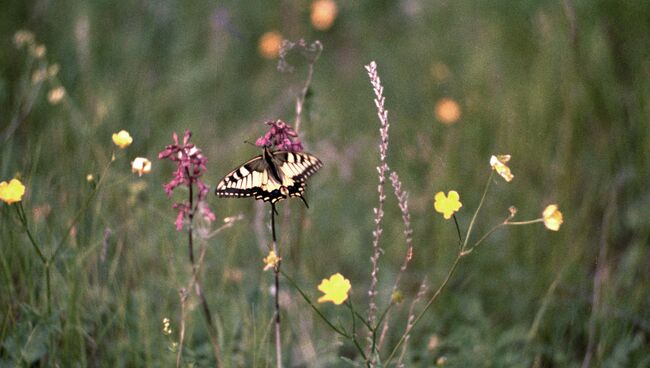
562,86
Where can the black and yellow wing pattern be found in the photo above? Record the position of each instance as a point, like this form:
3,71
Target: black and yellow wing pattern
271,176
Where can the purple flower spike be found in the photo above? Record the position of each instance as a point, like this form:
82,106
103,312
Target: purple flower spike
191,164
282,136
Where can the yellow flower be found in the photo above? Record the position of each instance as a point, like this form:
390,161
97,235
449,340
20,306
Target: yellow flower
269,44
336,289
552,217
323,14
498,163
447,111
141,165
167,329
271,261
12,192
122,139
448,204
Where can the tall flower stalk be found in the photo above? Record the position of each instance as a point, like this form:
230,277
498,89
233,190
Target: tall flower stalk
190,166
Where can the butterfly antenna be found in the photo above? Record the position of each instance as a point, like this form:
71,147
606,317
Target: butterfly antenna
304,201
249,142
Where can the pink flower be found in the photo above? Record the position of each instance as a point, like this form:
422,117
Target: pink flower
282,136
191,164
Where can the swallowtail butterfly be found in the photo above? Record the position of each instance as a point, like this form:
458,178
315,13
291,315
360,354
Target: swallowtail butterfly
271,176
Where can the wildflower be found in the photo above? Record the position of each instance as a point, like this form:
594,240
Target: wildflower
498,163
269,44
282,136
23,37
167,330
190,166
122,139
271,261
141,165
396,297
12,192
552,217
90,178
448,204
56,95
323,14
447,111
336,289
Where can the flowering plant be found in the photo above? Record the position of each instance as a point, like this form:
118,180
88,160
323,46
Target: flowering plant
190,166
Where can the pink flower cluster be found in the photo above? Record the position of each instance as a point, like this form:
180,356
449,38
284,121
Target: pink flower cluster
191,164
282,136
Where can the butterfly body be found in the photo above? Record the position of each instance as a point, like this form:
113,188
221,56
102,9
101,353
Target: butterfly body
271,176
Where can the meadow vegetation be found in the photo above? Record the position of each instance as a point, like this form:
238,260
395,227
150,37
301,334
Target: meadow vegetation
94,266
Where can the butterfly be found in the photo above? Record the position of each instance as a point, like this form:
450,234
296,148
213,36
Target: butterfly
271,176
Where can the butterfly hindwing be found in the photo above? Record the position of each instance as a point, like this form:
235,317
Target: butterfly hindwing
259,176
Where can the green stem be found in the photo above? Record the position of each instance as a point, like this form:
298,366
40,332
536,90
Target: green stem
525,222
471,224
426,307
20,210
23,219
354,332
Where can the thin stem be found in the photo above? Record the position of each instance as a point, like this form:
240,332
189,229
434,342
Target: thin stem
471,224
429,303
460,238
493,229
354,333
212,333
276,270
20,210
525,222
23,219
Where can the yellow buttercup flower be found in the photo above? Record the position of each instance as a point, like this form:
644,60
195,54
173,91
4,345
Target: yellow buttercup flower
122,139
336,289
498,163
552,217
141,165
271,261
448,204
12,192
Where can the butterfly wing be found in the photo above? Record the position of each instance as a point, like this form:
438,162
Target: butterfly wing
296,167
255,179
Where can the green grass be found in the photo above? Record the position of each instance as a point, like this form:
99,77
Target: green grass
561,86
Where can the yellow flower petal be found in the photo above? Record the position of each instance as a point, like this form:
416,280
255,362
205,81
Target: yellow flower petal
447,205
552,217
141,165
271,261
122,139
12,192
498,163
336,289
